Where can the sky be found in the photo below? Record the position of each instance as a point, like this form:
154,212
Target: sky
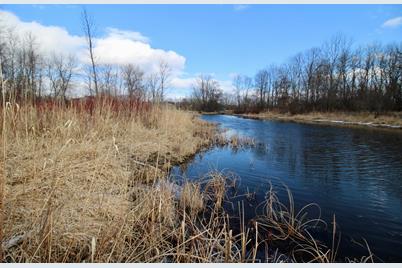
221,40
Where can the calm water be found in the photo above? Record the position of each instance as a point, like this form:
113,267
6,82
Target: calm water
353,173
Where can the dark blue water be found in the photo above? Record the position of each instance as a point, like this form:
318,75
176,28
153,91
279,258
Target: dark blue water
353,173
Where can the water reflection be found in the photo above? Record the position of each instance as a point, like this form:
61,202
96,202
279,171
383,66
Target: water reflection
354,173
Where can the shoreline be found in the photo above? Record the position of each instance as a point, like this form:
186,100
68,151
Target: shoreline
108,198
105,175
330,119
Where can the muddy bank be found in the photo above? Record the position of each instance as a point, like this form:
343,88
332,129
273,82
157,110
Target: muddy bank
350,120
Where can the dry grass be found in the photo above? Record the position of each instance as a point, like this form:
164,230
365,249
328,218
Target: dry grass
293,228
234,141
92,187
192,198
74,181
388,120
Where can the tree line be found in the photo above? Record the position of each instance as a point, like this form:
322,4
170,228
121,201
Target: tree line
335,76
30,74
331,77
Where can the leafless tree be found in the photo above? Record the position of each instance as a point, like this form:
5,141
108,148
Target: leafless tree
60,74
133,78
164,73
153,87
88,28
109,79
207,93
242,85
237,83
261,83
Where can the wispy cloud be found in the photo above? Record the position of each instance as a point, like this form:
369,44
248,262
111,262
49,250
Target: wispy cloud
392,23
123,34
240,7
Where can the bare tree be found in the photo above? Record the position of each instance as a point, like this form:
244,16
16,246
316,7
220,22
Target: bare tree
311,65
261,82
207,93
10,47
153,86
237,83
60,74
31,65
242,85
164,72
332,52
108,78
88,28
133,78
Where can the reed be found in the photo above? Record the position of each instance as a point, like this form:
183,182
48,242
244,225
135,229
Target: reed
234,141
192,198
74,189
282,223
87,182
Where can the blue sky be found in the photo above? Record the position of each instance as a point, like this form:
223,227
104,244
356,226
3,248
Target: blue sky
227,39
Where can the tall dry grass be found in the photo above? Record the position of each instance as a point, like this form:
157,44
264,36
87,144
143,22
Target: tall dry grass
73,185
87,183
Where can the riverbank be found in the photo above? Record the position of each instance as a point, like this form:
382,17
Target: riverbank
389,121
90,185
85,186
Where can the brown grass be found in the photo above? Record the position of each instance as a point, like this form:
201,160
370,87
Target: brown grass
74,181
192,198
364,119
85,186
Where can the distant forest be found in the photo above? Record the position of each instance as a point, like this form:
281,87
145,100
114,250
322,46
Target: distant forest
336,76
332,77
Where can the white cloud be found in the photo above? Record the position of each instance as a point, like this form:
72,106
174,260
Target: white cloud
122,47
226,86
116,47
122,34
182,83
49,39
392,23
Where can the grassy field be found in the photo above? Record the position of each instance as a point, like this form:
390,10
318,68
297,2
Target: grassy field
390,120
87,183
74,181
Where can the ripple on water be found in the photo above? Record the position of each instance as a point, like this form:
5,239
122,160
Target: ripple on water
353,173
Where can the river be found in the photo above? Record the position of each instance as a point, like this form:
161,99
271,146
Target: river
354,173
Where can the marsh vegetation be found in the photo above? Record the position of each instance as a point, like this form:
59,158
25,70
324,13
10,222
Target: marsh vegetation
87,179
